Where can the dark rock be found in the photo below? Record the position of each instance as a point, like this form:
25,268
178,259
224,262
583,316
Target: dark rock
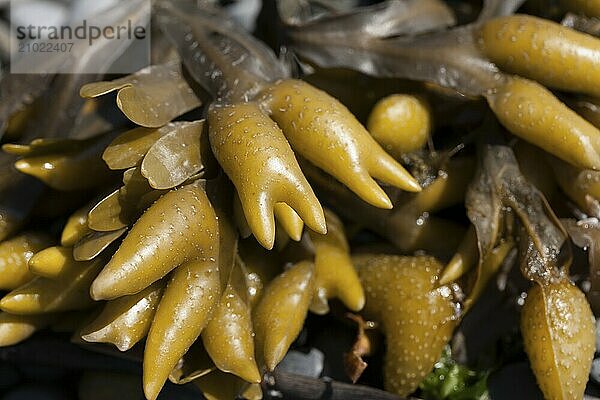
306,363
514,382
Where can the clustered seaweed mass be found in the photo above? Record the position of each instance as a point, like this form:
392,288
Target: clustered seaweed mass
239,200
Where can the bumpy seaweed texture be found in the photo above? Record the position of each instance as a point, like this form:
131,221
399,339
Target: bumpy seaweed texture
559,337
475,60
417,316
158,245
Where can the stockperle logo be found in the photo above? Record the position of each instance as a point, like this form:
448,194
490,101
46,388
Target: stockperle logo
113,40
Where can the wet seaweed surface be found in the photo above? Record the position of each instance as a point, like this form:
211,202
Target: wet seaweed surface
307,199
